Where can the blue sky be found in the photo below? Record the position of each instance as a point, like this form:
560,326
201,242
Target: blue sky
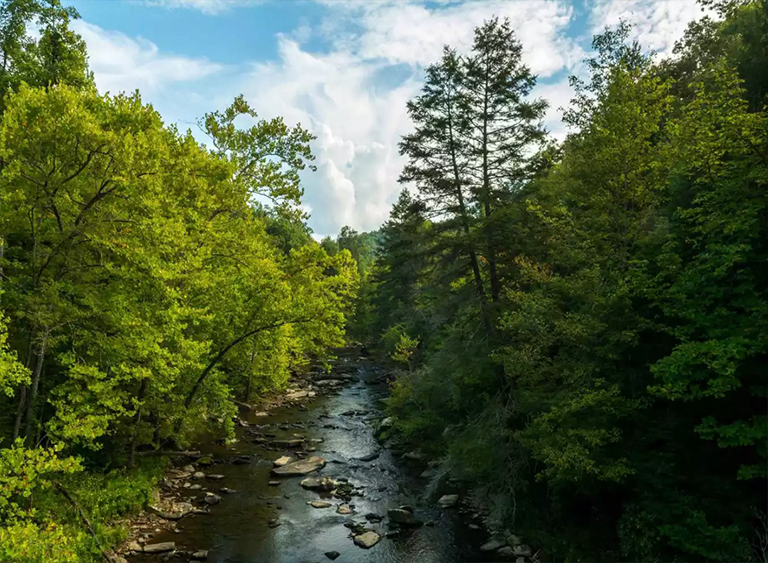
342,68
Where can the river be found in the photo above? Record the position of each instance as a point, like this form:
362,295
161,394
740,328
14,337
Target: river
263,522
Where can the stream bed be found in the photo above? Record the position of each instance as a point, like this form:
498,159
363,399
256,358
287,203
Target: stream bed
274,522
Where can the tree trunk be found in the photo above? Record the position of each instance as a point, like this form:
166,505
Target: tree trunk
474,263
20,411
136,423
33,390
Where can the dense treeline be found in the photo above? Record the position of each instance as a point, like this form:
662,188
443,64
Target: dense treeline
583,327
144,287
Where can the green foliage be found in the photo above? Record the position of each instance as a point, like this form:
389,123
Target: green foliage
147,282
592,349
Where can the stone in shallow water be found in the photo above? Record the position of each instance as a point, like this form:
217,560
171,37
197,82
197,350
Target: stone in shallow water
492,545
200,555
160,547
319,504
404,517
332,554
211,499
522,551
367,540
319,484
301,467
284,460
274,483
344,509
447,501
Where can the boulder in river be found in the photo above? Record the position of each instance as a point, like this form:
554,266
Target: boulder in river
211,499
506,552
319,504
288,444
200,555
447,501
301,467
284,460
522,551
492,545
332,555
160,547
369,457
344,509
367,540
403,517
173,510
319,483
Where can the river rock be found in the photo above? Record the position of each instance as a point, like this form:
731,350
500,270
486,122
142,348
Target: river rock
367,540
205,461
211,499
132,546
215,477
173,510
447,501
332,554
284,460
492,545
522,551
506,552
200,555
160,547
319,483
227,491
198,475
274,483
319,504
369,457
301,467
403,517
344,509
291,443
429,473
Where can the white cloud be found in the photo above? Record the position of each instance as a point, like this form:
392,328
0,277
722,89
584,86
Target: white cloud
352,92
123,63
559,95
412,33
210,7
349,99
656,24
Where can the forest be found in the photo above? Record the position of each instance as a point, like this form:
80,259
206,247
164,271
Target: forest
581,327
578,330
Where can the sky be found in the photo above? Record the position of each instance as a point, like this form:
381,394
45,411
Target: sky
344,69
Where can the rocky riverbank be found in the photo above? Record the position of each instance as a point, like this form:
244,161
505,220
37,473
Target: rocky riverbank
309,463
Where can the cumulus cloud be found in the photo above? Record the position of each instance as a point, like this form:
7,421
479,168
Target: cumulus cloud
210,7
656,24
120,62
348,97
348,76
